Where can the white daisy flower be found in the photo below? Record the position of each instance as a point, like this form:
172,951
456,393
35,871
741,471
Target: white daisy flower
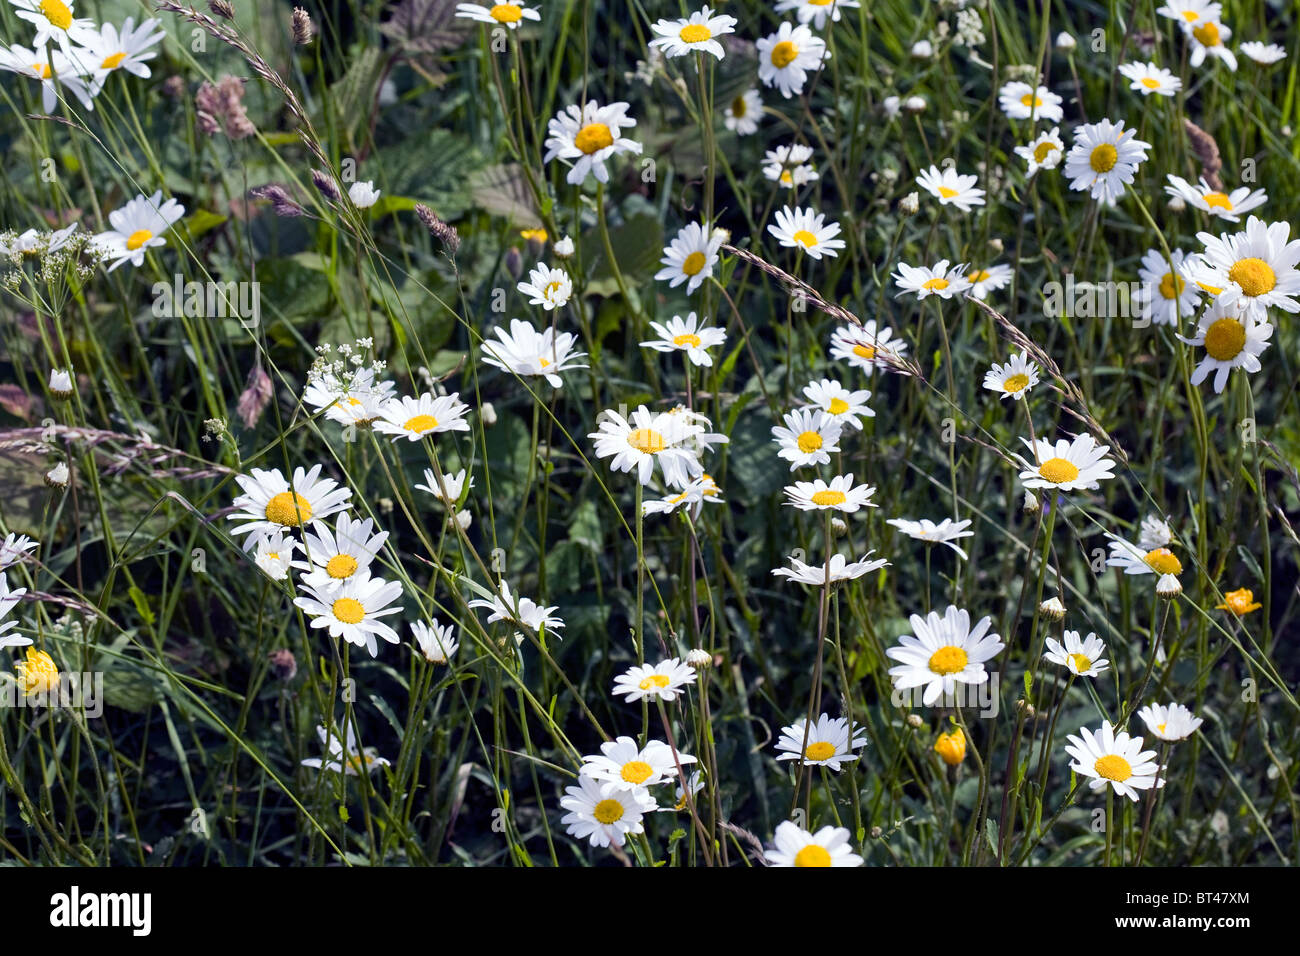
343,757
1155,533
519,610
839,403
525,351
126,48
8,601
1015,379
449,490
1165,296
665,681
589,135
53,69
1147,78
1066,465
786,56
1207,38
1227,206
693,496
984,281
690,257
508,15
1256,268
136,227
945,532
1082,657
1190,12
943,652
414,418
644,438
743,113
339,555
1103,159
437,642
839,494
273,553
695,780
815,12
1021,101
1139,559
363,194
927,281
547,287
351,399
687,335
352,609
54,20
1172,723
697,33
867,348
841,569
950,188
1044,151
621,765
1115,759
1231,339
808,437
829,743
789,166
603,818
270,503
795,846
32,243
1263,53
14,549
802,228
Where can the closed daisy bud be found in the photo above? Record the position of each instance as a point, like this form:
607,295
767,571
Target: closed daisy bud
464,519
838,527
877,833
57,477
699,658
909,204
563,248
301,25
489,413
995,245
60,384
1052,609
914,104
951,747
915,721
922,50
1031,505
1168,587
1066,42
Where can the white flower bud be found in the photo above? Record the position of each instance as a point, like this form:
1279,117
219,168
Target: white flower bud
57,477
1065,41
1052,609
489,413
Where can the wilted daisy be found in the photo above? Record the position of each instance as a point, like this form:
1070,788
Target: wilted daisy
1066,465
795,846
926,281
1187,13
525,351
798,228
1045,151
838,403
1263,53
1103,159
338,555
950,188
789,166
644,438
839,494
786,56
1110,758
414,418
866,348
1205,197
1207,38
1165,296
1147,78
590,135
1256,267
136,227
1135,559
621,765
519,610
815,12
942,652
508,15
1082,657
743,113
1022,101
829,742
53,70
126,48
273,554
945,532
687,335
697,33
665,680
1231,339
344,757
604,818
270,503
807,438
841,569
984,281
54,20
352,610
1240,602
1155,533
547,287
1014,379
437,642
1172,723
690,257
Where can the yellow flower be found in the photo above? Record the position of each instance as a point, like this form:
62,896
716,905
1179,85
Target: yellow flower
951,747
38,674
533,235
1240,602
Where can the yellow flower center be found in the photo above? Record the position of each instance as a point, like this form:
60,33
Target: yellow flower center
37,674
864,351
1191,16
138,239
653,681
551,290
349,610
1225,339
1113,767
593,137
42,70
637,771
1016,383
812,855
421,423
341,566
838,406
608,811
686,339
979,275
647,441
1031,100
828,498
1161,728
935,285
805,238
1207,33
946,192
820,751
695,33
1218,201
948,660
57,13
809,442
1163,561
783,54
543,362
285,508
506,13
1103,158
1255,276
1058,470
1043,150
787,178
1171,286
1150,83
111,62
1081,662
738,108
694,263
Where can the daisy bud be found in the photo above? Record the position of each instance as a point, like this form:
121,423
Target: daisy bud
721,234
464,519
1031,505
914,104
838,527
489,413
1065,41
915,721
877,833
564,248
300,23
922,50
995,245
57,477
514,263
1168,587
222,8
444,233
326,185
909,205
1177,204
699,658
891,106
363,194
1052,609
283,664
951,747
60,384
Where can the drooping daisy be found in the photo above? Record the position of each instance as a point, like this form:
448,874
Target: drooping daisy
950,188
802,228
695,781
1256,267
687,335
547,287
53,69
1265,54
126,48
1231,339
1147,78
693,496
1015,379
815,12
838,403
437,642
829,743
1240,602
1082,657
644,438
136,227
943,652
867,348
690,257
273,553
352,610
414,418
270,503
342,754
1227,206
984,281
1172,723
1134,559
1021,101
1045,151
1165,296
1103,159
697,33
1190,12
743,113
54,20
1115,759
841,569
621,765
937,280
604,818
789,166
590,135
795,846
1066,465
508,15
525,351
334,557
13,549
807,438
945,532
1155,533
519,610
839,494
786,56
1207,38
665,681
